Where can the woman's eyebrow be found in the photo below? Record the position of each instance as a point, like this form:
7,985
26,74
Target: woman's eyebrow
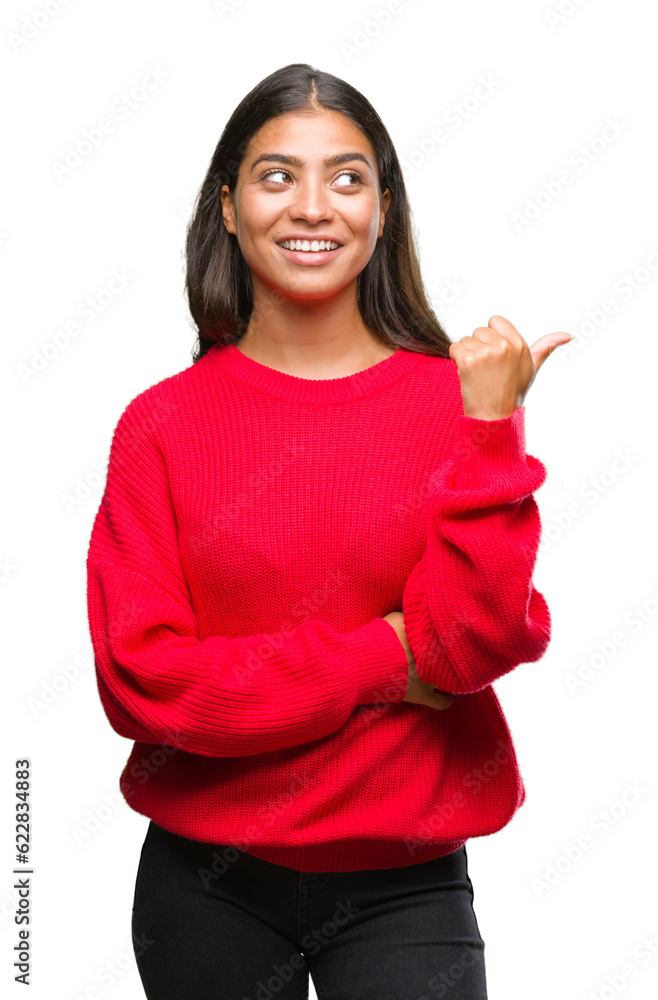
295,161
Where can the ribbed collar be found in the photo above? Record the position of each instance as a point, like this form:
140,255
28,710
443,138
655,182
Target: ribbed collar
304,390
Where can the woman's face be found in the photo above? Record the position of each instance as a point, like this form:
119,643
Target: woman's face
291,192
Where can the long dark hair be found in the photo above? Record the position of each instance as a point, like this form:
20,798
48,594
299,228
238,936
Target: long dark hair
390,293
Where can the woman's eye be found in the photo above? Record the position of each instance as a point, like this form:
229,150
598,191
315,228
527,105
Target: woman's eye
350,174
271,173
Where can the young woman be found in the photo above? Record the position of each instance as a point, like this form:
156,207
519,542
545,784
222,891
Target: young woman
312,558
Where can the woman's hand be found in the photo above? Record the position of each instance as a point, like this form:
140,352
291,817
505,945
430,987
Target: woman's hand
496,367
418,692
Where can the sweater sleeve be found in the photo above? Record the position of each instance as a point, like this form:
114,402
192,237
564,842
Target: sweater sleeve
471,612
225,697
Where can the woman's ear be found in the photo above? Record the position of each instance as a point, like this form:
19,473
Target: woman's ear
385,201
227,208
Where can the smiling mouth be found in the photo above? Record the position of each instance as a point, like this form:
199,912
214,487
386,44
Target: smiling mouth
311,252
312,246
309,257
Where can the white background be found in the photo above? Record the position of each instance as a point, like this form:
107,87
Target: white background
556,81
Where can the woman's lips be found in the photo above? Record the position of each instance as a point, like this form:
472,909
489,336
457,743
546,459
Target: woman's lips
309,256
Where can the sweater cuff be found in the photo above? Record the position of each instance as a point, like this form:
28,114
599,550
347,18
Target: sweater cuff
488,449
379,668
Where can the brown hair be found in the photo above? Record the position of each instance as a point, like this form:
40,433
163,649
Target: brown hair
390,293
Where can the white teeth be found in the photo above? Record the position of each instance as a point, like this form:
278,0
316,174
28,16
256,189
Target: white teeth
313,246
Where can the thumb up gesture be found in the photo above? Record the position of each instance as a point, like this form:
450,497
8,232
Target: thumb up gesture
496,367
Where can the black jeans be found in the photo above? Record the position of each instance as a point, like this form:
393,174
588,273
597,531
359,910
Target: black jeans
210,922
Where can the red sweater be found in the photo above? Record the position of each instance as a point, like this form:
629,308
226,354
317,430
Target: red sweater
254,530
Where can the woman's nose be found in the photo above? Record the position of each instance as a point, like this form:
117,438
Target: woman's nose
311,201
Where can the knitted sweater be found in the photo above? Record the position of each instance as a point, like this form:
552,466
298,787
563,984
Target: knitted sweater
255,528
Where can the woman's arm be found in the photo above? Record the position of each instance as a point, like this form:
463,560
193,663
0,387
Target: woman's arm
225,697
471,612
